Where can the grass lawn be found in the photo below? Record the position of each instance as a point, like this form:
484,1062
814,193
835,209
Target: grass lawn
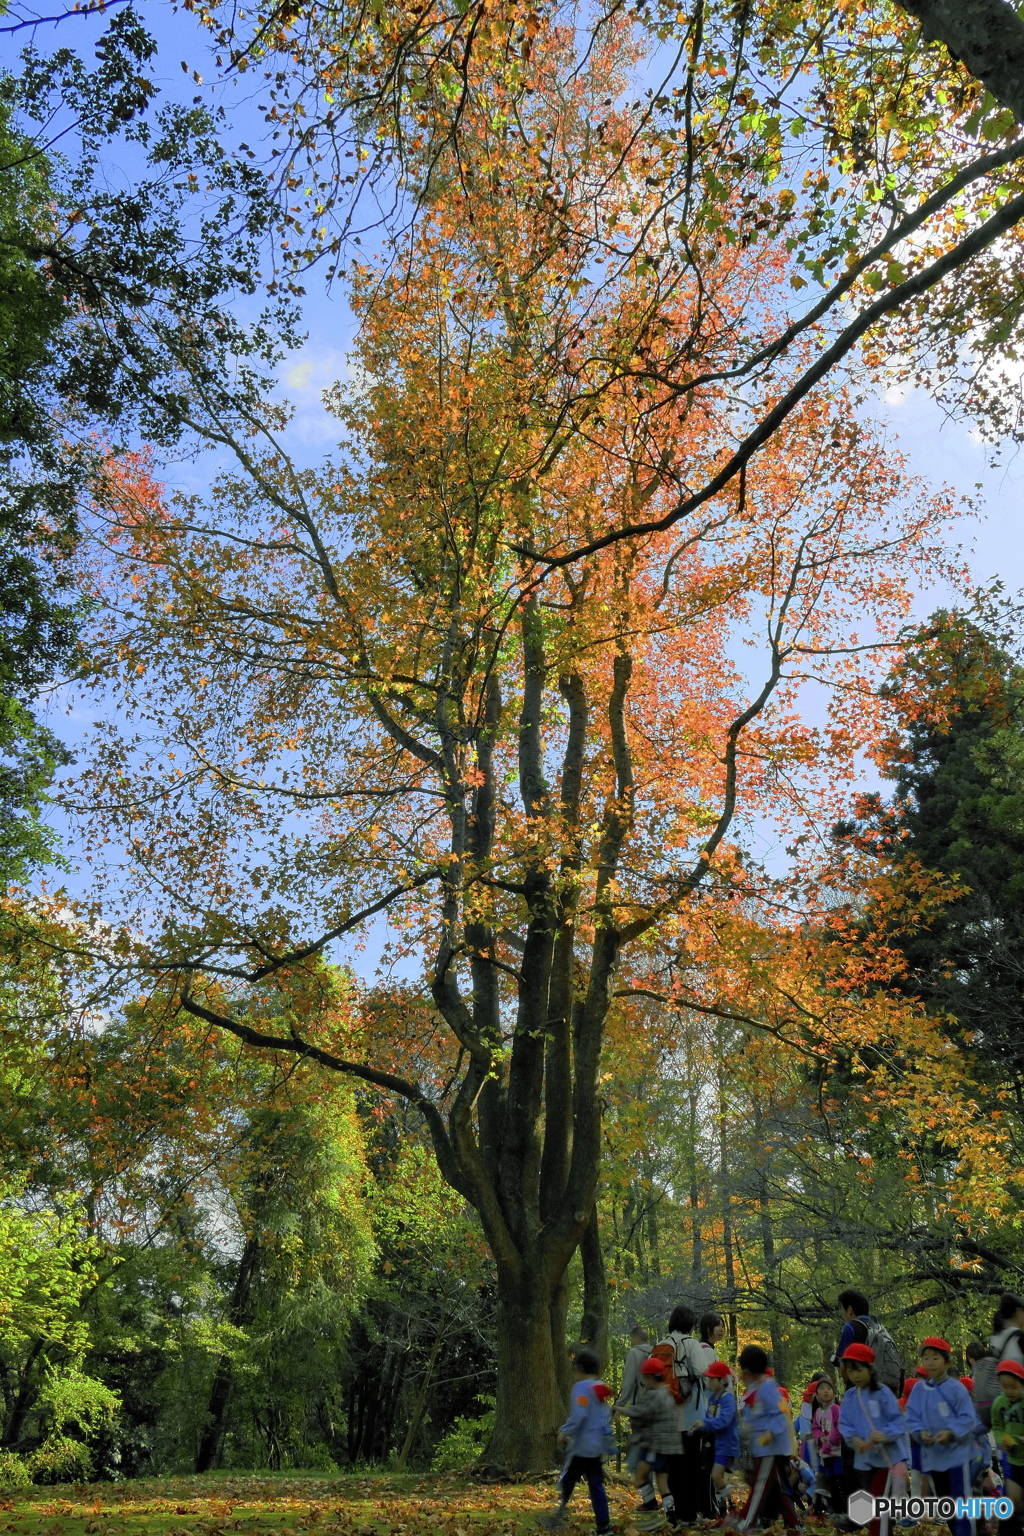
293,1504
311,1504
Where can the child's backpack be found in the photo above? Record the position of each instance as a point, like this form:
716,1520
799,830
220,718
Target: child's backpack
679,1384
986,1387
888,1365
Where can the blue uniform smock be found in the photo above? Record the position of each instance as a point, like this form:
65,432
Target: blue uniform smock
589,1427
938,1405
720,1420
865,1409
763,1413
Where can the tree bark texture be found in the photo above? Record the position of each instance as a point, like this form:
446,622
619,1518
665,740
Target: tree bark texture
529,1404
986,36
594,1323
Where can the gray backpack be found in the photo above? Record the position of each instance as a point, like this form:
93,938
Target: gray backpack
986,1387
888,1365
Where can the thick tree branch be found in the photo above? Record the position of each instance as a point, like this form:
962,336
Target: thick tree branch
101,6
913,287
443,1149
296,956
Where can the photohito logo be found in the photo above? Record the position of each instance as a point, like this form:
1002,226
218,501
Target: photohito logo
863,1507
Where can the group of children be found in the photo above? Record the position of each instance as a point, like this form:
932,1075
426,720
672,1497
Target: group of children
930,1439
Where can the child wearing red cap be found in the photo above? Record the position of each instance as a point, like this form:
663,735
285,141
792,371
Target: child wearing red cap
655,1422
871,1422
1008,1428
720,1423
941,1418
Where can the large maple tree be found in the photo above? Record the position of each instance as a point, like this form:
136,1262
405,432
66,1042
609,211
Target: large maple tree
359,690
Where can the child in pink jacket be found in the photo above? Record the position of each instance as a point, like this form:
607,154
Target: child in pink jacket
829,1446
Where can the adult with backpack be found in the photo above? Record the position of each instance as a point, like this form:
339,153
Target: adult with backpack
1007,1341
637,1355
859,1327
683,1365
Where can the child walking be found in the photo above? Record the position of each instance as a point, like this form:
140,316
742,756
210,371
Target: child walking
870,1420
1008,1428
587,1437
825,1436
720,1422
656,1437
941,1418
771,1442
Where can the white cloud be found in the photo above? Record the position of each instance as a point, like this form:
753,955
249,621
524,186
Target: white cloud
300,374
304,378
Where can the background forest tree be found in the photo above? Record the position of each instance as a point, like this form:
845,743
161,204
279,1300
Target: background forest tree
479,671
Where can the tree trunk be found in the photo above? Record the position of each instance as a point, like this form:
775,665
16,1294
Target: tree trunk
725,1194
26,1396
421,1401
559,1316
987,36
594,1323
529,1405
771,1273
211,1444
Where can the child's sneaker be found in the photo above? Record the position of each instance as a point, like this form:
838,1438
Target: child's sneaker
651,1520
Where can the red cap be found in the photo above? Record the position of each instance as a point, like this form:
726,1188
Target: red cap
602,1392
968,1382
919,1370
863,1354
1010,1368
718,1368
652,1367
937,1343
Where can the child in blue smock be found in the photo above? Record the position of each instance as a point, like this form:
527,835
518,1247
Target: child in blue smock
871,1422
587,1436
771,1441
720,1422
941,1418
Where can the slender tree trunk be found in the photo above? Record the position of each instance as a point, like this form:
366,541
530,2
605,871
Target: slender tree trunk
211,1444
529,1405
725,1194
594,1324
653,1266
768,1247
421,1401
696,1235
26,1396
